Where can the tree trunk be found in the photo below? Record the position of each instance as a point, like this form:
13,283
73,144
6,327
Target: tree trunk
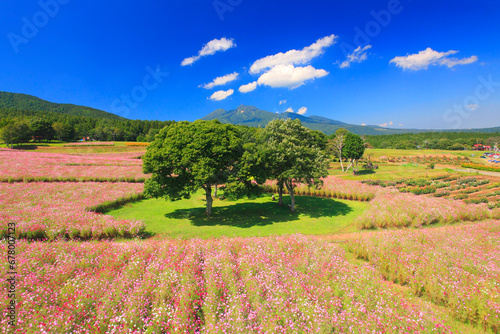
289,186
341,164
349,166
215,193
208,194
280,194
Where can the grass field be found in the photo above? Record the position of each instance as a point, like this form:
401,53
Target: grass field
388,172
243,218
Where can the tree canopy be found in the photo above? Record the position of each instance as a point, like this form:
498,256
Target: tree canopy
292,155
188,156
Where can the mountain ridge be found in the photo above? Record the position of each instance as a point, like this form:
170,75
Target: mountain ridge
252,116
25,102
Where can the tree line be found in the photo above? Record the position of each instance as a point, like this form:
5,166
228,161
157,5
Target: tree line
22,126
433,140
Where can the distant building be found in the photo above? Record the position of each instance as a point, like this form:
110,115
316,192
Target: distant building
481,147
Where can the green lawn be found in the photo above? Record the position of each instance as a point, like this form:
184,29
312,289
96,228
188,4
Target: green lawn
389,172
243,218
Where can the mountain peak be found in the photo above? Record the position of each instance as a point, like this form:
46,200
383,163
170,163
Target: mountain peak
254,117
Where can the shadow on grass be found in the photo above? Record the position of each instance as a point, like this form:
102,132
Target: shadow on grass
365,172
246,215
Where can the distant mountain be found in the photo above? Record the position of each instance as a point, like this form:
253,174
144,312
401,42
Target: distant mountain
252,116
23,102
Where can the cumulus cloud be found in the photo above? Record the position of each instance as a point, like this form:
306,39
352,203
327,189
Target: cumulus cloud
209,49
248,87
293,57
220,81
221,95
357,56
428,57
302,111
289,109
282,102
289,76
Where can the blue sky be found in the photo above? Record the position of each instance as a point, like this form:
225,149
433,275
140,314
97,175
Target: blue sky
411,64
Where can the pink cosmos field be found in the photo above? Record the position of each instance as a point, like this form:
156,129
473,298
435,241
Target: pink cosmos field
52,210
332,187
457,267
256,285
393,209
18,165
405,281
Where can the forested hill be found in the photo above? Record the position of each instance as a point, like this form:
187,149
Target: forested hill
69,122
25,103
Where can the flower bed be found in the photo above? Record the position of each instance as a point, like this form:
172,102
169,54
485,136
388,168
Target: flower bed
457,267
254,285
60,210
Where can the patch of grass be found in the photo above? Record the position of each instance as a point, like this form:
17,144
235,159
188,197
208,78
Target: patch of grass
243,218
391,173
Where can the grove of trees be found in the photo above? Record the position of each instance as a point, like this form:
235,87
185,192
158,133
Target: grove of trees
185,157
46,126
433,140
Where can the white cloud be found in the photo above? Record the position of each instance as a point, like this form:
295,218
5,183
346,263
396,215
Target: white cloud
364,124
302,111
357,56
289,109
293,57
248,87
289,76
220,81
210,48
221,95
427,57
282,102
386,124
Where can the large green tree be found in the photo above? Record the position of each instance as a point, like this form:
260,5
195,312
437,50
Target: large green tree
292,155
15,133
41,129
188,156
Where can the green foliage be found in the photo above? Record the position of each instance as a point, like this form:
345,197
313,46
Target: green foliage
42,129
354,147
442,140
71,122
188,156
15,133
476,200
292,155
